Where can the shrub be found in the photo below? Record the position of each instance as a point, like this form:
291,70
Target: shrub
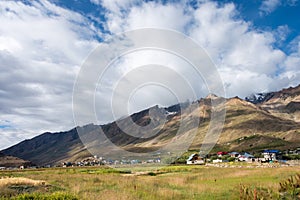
231,159
214,157
291,157
290,189
54,196
152,174
256,193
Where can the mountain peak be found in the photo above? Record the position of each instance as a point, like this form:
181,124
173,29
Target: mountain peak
211,96
237,101
259,98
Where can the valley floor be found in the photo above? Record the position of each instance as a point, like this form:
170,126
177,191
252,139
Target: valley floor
171,182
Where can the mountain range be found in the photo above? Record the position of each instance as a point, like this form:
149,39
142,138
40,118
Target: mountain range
261,121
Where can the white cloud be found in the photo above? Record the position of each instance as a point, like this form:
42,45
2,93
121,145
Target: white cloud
116,6
233,44
169,16
281,34
292,64
269,6
41,49
116,11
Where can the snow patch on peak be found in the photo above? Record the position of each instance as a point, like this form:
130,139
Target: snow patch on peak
259,97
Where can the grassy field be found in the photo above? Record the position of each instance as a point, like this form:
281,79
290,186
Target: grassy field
172,182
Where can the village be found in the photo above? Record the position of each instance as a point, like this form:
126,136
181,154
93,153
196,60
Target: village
266,156
221,157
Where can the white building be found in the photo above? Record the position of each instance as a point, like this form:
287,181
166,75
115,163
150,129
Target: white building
195,159
270,155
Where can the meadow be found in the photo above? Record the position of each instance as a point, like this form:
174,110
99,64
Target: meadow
171,182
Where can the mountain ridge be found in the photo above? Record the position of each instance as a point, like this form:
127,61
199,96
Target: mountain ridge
259,98
284,103
272,123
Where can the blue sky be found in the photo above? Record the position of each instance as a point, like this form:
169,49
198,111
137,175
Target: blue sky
283,14
255,45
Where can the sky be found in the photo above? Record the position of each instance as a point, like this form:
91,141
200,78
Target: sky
255,45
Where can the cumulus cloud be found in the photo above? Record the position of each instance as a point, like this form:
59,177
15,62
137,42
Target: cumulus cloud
233,43
291,73
42,47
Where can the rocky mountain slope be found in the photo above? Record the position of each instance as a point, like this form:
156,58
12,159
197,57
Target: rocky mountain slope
284,103
11,161
49,148
271,122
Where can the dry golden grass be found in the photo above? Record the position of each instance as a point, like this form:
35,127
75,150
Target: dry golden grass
173,182
4,181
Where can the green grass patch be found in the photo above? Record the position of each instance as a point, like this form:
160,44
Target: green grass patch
54,196
169,182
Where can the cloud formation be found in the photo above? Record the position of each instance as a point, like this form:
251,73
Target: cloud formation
269,6
42,47
237,48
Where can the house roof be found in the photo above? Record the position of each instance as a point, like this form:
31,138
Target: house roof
191,156
247,155
271,151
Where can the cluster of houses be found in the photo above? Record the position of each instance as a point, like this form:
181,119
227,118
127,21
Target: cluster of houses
96,161
18,167
265,156
89,161
229,156
220,157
